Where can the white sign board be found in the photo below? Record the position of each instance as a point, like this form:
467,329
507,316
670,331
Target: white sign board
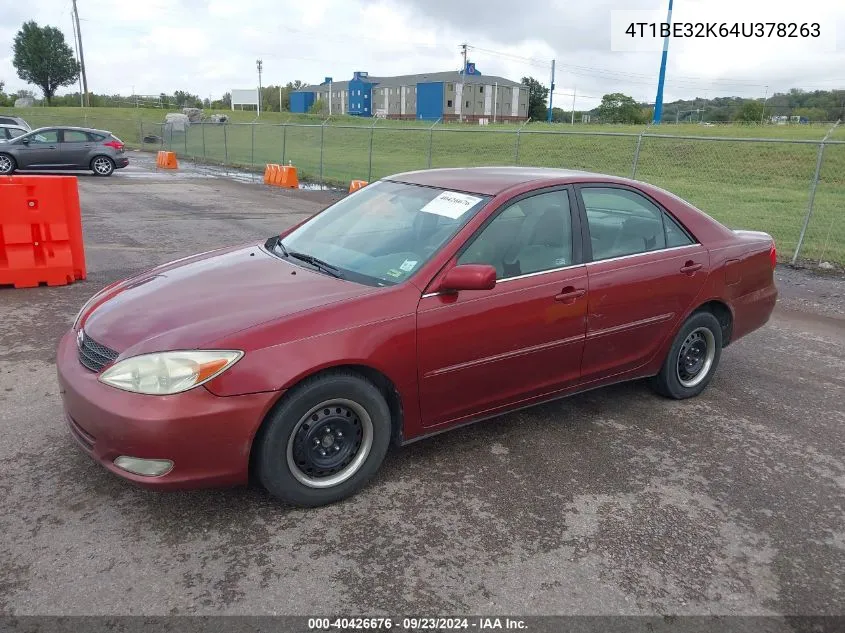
244,97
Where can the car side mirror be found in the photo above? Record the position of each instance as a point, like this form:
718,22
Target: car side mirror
25,141
468,277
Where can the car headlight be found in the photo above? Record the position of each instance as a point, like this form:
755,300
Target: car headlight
166,373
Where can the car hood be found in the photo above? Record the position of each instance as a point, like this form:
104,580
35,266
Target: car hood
191,303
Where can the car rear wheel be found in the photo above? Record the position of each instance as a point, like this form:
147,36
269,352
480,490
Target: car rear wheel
324,441
692,359
102,166
7,164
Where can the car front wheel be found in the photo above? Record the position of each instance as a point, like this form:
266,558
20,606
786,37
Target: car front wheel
102,166
324,441
692,359
7,164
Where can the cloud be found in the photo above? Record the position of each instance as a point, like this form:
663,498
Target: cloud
210,46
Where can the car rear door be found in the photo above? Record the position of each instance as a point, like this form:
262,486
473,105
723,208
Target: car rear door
76,147
41,150
644,272
479,351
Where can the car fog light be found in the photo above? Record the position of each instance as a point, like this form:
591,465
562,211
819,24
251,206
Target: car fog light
145,467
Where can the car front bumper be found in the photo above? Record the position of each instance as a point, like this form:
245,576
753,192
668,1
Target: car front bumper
208,438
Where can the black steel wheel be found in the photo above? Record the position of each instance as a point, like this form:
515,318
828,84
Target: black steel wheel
324,440
692,359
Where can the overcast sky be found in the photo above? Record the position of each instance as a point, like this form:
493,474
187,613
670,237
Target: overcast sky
208,47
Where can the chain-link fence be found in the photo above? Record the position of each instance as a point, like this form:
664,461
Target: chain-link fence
792,188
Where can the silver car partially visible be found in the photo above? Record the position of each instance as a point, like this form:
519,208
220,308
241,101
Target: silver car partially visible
8,132
59,148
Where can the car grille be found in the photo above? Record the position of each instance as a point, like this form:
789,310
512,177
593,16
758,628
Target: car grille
93,355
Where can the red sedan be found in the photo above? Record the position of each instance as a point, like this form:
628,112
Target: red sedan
422,302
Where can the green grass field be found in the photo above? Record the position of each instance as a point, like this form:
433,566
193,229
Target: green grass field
749,184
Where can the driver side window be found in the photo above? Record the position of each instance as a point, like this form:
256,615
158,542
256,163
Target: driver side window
47,136
529,236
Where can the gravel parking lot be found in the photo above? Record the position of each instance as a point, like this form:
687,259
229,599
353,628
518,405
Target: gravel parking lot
614,501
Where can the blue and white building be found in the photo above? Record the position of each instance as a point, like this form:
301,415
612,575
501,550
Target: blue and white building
450,96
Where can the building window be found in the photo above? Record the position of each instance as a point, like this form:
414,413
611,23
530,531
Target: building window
366,96
366,110
450,87
467,103
359,93
480,88
449,103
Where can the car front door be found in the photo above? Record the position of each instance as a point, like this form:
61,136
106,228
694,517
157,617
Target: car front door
644,273
38,149
76,148
480,351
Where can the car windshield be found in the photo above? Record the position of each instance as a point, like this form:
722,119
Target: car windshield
381,234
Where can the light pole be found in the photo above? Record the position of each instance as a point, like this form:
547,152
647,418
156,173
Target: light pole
658,102
259,65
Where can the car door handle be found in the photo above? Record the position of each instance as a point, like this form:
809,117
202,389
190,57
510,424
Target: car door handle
51,147
690,267
570,294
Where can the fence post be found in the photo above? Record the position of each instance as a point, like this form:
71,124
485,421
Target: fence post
284,140
141,130
518,131
225,145
187,127
322,135
813,185
637,154
431,141
372,133
252,153
202,127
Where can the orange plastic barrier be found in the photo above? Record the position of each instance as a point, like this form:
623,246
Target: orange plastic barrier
40,231
281,176
167,160
355,185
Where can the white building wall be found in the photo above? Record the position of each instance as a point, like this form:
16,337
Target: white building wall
515,102
402,104
488,100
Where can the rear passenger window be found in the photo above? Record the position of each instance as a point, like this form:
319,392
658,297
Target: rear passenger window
75,136
532,235
622,222
675,235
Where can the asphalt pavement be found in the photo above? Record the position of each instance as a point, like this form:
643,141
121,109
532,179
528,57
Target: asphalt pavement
614,501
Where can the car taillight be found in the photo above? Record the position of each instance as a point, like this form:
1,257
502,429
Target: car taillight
773,255
115,144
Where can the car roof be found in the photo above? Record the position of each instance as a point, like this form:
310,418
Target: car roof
494,180
14,125
71,127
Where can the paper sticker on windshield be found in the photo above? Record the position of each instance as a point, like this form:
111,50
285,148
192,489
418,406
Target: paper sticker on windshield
408,265
451,204
394,273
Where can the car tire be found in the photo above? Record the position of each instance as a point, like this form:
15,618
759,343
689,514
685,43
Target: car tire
692,359
7,164
102,166
324,441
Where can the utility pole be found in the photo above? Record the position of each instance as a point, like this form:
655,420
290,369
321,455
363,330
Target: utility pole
76,53
86,101
765,99
574,89
658,102
259,65
551,93
463,73
280,97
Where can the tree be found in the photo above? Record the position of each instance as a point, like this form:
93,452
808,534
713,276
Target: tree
319,107
42,57
537,95
620,108
750,112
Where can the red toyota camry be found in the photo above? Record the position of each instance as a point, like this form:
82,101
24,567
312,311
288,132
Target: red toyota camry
423,301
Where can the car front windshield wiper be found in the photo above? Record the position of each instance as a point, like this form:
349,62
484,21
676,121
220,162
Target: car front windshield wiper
326,267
